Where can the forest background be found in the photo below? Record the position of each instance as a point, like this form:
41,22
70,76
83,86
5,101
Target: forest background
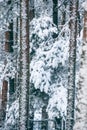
43,64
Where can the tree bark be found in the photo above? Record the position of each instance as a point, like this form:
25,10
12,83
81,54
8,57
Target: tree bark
9,38
72,66
3,102
24,65
81,108
9,48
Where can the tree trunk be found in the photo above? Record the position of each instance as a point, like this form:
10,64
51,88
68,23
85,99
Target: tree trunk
79,19
64,13
24,65
45,99
63,21
3,102
81,109
9,38
55,12
9,48
31,107
72,66
44,124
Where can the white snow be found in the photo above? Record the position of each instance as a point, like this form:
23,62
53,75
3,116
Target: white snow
48,55
57,103
84,5
12,113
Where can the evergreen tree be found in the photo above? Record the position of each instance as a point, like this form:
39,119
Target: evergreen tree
24,65
81,109
72,65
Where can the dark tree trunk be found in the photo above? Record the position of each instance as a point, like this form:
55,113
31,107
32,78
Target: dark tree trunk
11,87
9,38
9,48
3,102
78,19
55,12
44,116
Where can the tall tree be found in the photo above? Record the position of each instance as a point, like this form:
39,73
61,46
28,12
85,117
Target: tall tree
24,65
72,65
31,107
8,49
9,46
81,109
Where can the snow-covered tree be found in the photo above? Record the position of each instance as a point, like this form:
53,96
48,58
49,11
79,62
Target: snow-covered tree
72,66
49,47
81,108
49,56
24,65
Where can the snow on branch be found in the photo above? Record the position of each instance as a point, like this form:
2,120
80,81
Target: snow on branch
84,5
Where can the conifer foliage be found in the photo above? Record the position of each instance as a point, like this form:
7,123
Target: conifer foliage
43,65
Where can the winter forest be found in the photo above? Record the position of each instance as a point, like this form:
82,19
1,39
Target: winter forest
43,64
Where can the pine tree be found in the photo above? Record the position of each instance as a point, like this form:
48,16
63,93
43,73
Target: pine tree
72,65
3,102
8,50
81,109
24,65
